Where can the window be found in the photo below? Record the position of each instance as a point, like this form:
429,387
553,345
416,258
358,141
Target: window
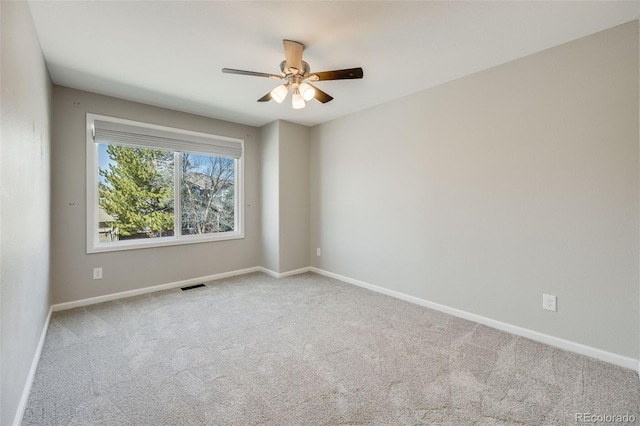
150,185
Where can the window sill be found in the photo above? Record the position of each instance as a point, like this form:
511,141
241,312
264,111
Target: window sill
163,242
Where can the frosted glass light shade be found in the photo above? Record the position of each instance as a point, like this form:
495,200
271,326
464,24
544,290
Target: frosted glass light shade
307,91
279,93
297,101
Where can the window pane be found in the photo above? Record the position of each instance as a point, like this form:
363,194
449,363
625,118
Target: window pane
135,190
207,194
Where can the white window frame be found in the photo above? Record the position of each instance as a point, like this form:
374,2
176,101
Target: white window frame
93,243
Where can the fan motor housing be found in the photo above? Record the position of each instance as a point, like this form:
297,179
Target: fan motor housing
303,73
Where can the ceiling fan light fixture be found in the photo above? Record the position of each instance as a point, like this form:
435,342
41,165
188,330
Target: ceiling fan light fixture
295,73
279,93
297,101
307,91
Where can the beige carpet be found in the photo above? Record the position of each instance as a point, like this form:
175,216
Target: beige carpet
305,350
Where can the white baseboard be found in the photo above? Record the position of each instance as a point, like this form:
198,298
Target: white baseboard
557,342
32,372
284,274
130,293
109,297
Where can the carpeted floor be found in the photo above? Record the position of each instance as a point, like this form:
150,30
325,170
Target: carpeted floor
305,350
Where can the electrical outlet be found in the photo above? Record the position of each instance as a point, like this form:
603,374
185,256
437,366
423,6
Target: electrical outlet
318,252
549,302
97,273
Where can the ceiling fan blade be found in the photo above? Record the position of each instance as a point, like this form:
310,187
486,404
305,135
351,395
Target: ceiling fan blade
265,98
320,95
251,73
293,54
346,74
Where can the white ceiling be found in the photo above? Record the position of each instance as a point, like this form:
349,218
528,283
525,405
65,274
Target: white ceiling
170,53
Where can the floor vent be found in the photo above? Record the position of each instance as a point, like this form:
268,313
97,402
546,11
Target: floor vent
191,287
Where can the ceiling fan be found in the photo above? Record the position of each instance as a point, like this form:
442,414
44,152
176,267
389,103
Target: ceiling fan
297,75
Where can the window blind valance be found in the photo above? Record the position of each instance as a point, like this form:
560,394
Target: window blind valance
125,134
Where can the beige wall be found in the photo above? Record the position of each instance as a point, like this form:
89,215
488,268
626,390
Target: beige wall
486,192
269,196
24,205
285,196
294,196
134,269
